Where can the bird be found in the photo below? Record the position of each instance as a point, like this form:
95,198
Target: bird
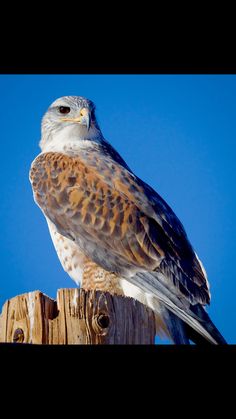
111,230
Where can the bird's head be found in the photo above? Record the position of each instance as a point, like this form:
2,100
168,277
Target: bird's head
69,118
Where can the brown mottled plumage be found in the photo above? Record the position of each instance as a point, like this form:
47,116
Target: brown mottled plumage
96,201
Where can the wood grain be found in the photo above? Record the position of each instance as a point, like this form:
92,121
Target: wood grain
76,317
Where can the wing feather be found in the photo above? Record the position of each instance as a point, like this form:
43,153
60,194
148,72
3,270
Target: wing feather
102,205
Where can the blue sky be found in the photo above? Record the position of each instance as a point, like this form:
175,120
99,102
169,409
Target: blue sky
176,132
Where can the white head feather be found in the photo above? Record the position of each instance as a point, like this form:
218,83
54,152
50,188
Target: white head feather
61,129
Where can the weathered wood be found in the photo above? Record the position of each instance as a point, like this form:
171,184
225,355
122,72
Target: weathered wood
77,317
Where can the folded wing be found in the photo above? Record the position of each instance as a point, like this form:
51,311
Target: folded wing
119,221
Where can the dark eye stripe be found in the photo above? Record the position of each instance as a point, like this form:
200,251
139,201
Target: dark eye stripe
64,109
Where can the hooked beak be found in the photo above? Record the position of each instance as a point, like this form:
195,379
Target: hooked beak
83,119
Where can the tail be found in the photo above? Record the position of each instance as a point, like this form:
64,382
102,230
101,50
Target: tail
209,326
184,320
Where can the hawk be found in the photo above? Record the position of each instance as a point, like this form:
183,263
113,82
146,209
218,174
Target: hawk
111,230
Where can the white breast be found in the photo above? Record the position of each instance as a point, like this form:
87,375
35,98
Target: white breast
70,256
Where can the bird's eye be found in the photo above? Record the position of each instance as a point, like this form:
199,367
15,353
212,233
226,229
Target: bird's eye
64,109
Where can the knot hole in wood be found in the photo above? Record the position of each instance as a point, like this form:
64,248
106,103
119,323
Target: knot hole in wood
101,323
18,336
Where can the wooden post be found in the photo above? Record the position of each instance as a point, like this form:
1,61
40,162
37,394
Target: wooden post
77,317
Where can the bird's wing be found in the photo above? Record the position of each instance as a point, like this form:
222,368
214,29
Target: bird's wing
130,225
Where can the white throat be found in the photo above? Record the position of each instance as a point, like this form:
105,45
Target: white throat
69,139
